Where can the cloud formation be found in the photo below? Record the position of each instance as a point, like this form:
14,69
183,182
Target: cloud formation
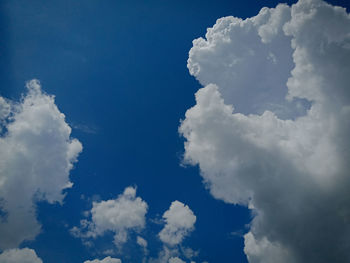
285,151
24,255
141,242
126,212
175,260
180,222
105,260
36,156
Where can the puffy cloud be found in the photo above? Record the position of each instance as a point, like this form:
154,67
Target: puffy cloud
126,212
105,260
36,156
180,222
291,169
238,54
24,255
176,260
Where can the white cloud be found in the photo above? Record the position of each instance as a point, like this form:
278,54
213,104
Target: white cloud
292,172
189,252
105,260
24,255
180,222
141,242
127,212
235,58
165,254
176,260
5,109
36,156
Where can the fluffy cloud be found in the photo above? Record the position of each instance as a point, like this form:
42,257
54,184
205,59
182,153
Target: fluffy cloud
180,221
289,163
127,212
105,260
36,156
24,255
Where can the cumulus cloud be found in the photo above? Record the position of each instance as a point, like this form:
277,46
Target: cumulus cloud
282,148
180,222
126,212
105,260
24,255
36,156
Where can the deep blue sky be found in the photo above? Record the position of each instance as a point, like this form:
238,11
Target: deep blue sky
118,71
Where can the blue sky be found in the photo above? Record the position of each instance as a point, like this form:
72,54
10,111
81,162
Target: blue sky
118,72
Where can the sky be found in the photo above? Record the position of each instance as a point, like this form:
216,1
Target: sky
174,131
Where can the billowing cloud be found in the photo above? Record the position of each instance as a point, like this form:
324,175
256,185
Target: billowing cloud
105,260
126,212
36,156
284,149
180,222
24,255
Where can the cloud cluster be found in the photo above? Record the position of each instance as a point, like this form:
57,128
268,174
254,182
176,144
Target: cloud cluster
36,156
105,260
24,255
285,151
126,212
180,222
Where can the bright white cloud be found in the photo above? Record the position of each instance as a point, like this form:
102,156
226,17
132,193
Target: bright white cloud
291,170
180,222
105,260
36,156
127,212
24,255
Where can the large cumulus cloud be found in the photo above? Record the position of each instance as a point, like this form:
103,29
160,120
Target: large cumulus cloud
36,156
282,148
24,255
